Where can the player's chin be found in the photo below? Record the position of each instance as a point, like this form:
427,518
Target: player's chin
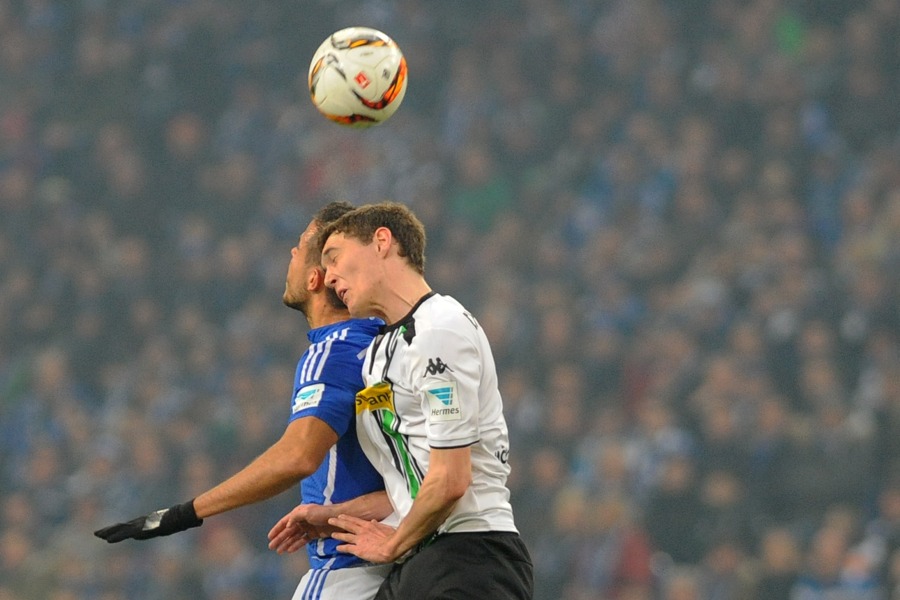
358,310
347,300
292,301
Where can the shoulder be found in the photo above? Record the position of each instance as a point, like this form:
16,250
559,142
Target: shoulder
354,333
444,313
444,327
367,325
338,348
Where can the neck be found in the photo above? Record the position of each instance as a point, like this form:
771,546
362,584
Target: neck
320,313
400,298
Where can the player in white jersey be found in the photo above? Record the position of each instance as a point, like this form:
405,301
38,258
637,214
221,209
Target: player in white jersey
444,384
319,445
430,419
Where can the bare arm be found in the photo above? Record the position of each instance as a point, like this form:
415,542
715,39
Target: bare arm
297,454
448,478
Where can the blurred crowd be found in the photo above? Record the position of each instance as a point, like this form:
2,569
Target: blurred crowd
677,220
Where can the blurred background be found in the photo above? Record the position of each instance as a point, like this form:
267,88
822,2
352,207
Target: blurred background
677,220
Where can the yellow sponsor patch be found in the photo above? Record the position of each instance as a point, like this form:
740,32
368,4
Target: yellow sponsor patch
375,397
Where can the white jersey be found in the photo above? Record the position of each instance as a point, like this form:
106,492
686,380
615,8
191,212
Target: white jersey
431,382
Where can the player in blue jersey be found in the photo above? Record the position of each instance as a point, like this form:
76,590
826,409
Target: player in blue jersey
319,446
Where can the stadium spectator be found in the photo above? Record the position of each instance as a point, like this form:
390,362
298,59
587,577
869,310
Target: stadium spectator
710,182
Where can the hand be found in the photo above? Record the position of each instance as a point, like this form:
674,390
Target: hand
161,522
365,539
307,522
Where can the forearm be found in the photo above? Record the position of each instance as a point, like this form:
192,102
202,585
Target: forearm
296,455
431,508
372,506
447,480
267,476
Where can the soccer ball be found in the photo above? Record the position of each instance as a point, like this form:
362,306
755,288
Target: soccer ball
357,77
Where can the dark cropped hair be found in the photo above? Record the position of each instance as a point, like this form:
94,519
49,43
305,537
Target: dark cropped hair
324,216
362,222
332,212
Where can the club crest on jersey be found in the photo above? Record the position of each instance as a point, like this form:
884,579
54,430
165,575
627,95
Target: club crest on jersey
443,402
375,397
307,397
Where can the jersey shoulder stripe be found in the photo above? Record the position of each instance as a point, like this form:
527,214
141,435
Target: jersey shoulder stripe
317,355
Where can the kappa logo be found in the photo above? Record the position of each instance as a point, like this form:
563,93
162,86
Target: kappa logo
436,367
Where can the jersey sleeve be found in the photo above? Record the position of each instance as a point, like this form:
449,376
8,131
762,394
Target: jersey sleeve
325,386
446,372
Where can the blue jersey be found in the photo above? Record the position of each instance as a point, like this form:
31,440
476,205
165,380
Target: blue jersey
328,377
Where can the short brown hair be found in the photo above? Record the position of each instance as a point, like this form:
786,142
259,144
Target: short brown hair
362,222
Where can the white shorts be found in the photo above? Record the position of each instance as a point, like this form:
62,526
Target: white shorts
355,583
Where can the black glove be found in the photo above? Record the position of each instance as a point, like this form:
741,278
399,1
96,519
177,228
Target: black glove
161,522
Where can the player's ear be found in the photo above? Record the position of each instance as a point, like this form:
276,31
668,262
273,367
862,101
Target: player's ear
315,279
382,239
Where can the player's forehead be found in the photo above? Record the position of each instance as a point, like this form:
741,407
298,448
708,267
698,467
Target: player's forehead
334,241
340,244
